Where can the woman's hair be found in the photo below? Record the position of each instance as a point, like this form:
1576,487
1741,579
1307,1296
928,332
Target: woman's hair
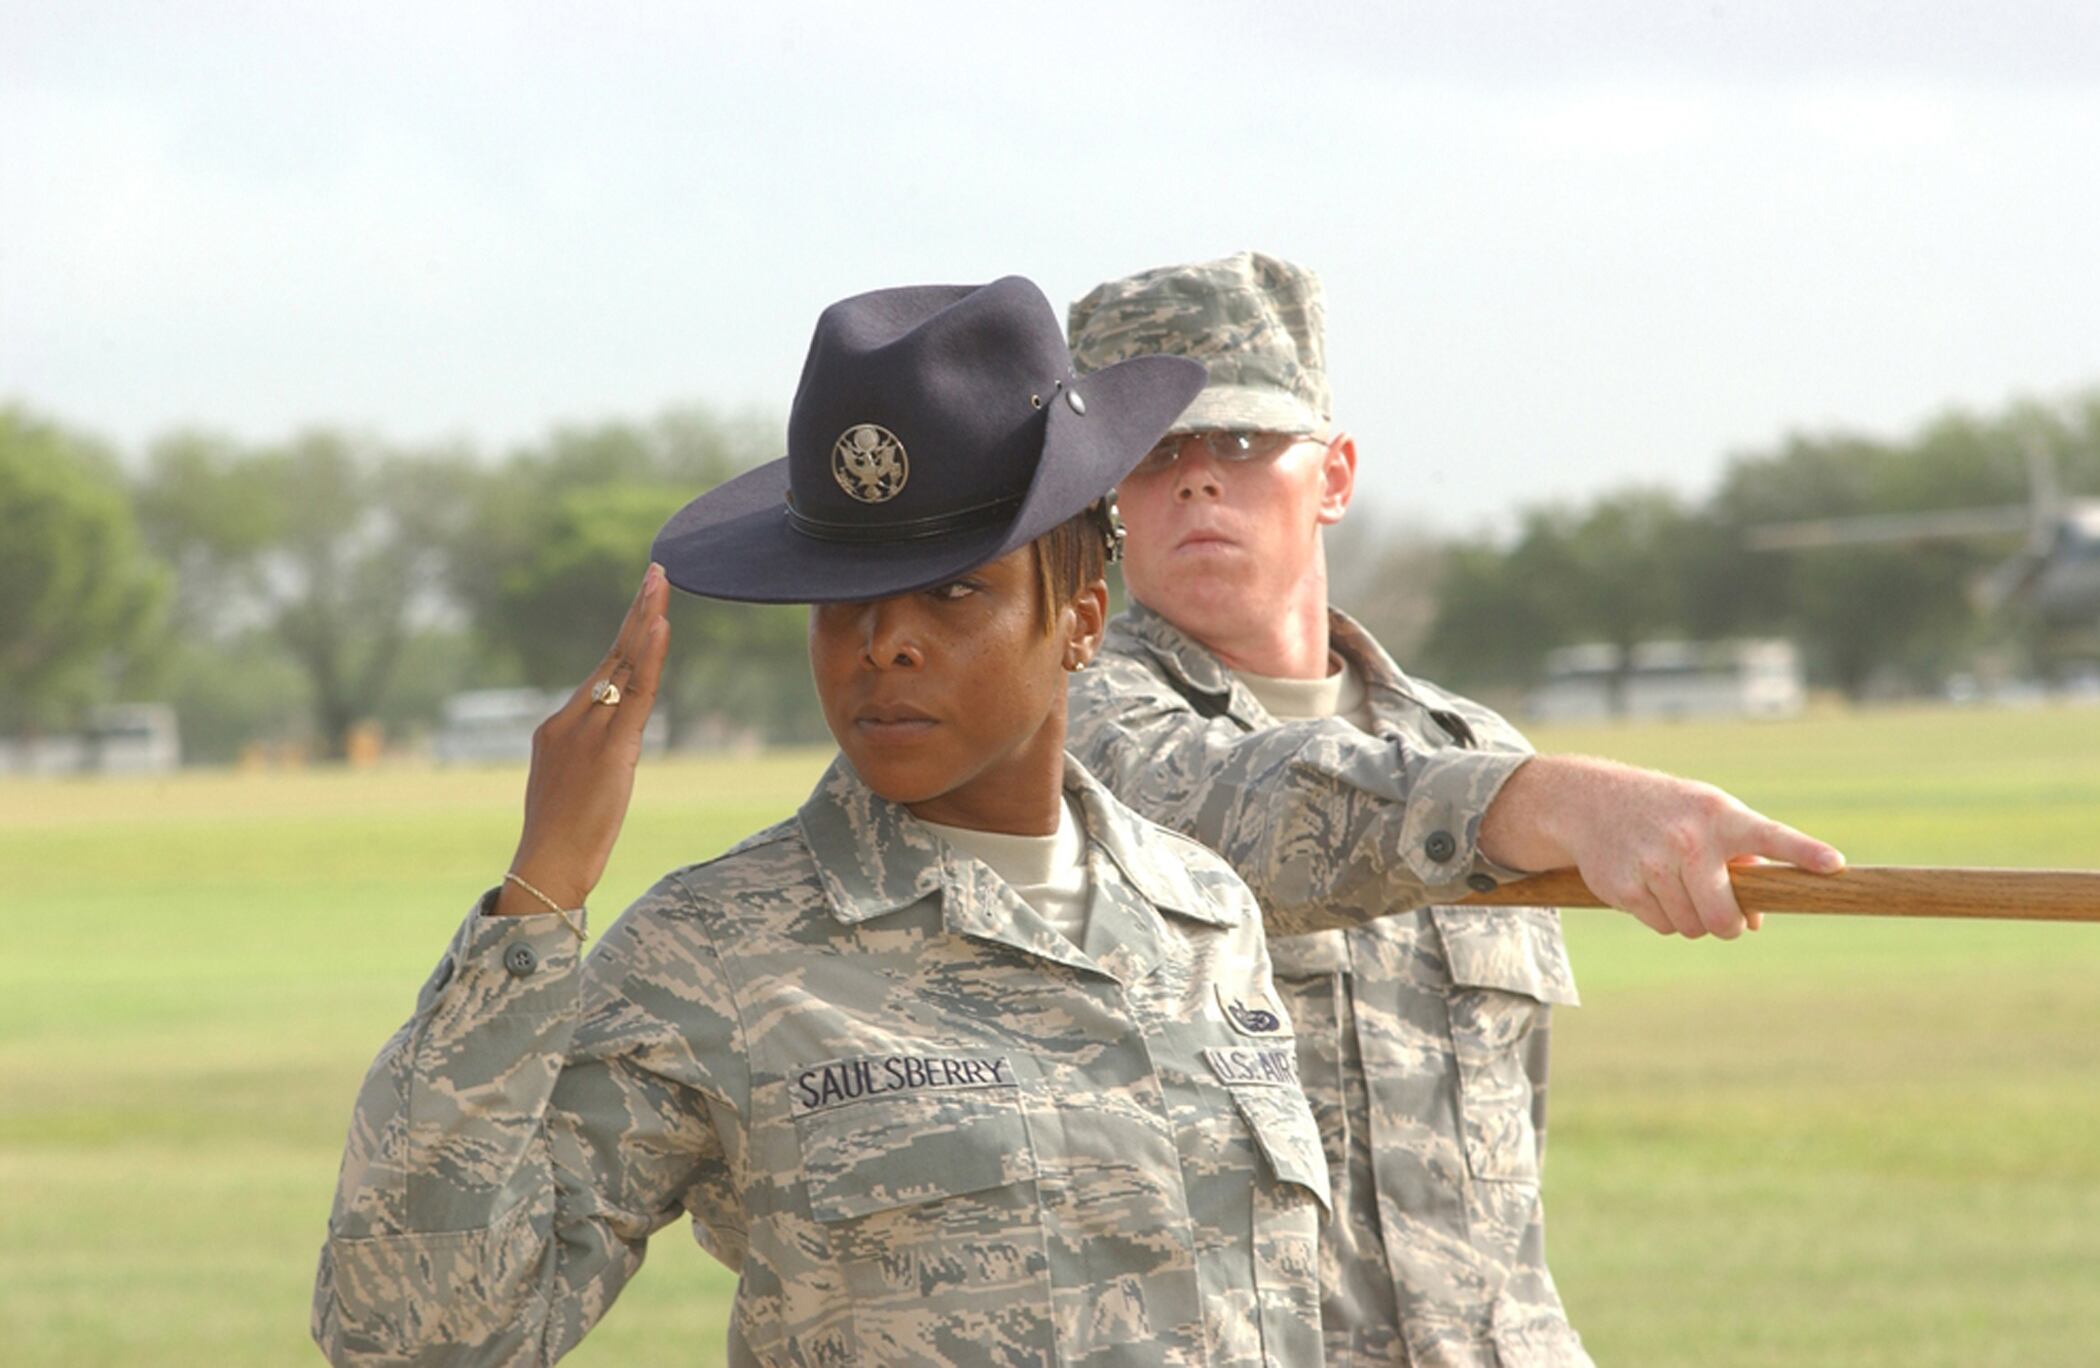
1069,557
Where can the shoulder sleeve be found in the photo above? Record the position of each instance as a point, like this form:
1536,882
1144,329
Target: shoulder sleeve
518,1139
1328,825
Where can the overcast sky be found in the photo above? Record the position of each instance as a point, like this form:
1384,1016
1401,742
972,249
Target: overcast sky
1565,246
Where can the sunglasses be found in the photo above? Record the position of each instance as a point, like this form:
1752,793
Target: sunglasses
1229,448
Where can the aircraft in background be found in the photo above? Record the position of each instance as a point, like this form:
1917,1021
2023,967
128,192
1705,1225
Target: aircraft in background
2057,571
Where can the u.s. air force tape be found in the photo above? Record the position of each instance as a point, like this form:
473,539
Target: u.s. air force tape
851,1080
1277,1068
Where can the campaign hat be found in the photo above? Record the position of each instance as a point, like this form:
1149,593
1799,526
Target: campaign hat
935,428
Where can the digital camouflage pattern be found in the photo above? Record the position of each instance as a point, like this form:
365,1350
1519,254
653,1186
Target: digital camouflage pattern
1422,1030
921,1125
1257,324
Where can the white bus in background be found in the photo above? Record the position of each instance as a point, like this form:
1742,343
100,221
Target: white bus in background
1670,679
490,726
119,738
133,738
495,726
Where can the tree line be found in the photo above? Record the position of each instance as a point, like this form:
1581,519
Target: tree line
302,587
1634,564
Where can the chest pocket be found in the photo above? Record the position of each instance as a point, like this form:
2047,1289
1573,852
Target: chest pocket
928,1202
1508,966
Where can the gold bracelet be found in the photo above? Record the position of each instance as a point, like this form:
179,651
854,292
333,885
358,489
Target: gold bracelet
553,906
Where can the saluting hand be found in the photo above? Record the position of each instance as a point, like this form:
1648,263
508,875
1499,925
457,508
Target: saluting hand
583,762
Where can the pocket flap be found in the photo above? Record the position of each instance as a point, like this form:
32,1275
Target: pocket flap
906,1148
1515,949
1309,955
1284,1130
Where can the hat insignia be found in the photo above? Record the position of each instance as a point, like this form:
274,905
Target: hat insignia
869,463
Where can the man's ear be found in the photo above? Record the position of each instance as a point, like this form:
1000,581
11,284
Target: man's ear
1338,478
1088,618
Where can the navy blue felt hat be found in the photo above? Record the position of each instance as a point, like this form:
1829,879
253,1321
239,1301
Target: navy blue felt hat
936,427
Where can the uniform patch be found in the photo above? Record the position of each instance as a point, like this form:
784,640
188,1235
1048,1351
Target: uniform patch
1256,1016
1276,1068
841,1081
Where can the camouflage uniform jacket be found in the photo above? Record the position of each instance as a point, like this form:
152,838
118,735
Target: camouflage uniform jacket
1422,1031
922,1126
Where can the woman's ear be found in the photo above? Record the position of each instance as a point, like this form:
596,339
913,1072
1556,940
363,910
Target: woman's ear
1084,619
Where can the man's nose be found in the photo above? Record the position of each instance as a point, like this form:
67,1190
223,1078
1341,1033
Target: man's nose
1196,473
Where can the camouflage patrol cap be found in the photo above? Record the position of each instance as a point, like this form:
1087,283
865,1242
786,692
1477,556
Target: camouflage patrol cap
1258,323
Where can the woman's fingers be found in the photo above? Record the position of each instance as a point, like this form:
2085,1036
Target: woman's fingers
645,674
648,604
649,659
638,654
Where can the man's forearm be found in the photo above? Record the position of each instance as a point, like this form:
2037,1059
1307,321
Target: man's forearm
1529,823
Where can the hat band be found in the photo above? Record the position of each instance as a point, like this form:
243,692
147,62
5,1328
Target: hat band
910,529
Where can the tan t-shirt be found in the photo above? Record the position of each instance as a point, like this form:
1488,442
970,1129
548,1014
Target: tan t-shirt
1341,694
1048,872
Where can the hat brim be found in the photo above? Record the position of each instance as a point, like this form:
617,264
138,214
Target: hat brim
735,541
1247,408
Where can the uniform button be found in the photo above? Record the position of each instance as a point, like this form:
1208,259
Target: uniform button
1481,883
521,959
1078,404
1440,846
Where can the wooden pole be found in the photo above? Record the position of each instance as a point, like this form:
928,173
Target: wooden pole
2063,895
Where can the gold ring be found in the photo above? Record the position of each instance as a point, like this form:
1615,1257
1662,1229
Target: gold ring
606,692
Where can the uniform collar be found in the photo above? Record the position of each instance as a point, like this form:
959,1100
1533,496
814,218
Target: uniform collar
1195,667
1192,666
1150,858
1353,644
874,857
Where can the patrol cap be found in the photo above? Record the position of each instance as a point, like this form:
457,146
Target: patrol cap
936,427
1257,322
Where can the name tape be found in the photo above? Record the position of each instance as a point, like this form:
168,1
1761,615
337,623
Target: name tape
852,1080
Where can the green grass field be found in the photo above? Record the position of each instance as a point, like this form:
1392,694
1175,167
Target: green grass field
1835,1143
